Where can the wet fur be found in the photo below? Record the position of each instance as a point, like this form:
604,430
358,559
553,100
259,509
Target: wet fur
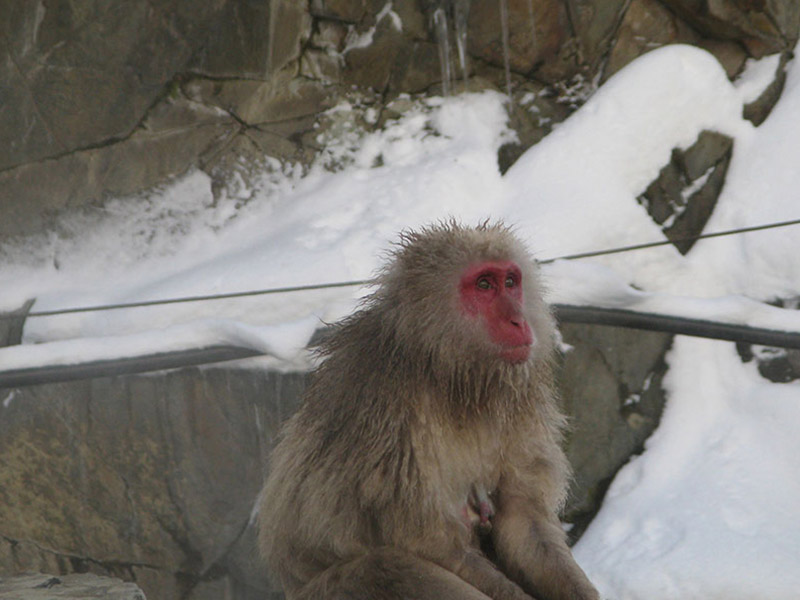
406,412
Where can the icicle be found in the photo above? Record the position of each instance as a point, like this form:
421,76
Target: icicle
440,26
533,26
461,15
506,44
273,24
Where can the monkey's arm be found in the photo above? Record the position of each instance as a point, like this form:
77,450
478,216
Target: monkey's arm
481,573
531,548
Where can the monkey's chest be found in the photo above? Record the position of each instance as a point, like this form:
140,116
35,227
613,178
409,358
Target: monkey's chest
468,468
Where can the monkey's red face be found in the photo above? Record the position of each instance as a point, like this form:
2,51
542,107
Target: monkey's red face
492,291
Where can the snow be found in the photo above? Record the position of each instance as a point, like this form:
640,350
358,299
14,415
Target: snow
710,509
277,341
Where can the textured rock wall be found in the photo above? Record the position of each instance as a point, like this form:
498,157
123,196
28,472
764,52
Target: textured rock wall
150,479
70,587
108,99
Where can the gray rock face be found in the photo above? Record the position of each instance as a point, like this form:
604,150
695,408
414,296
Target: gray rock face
12,324
92,100
152,479
67,587
763,27
685,193
101,100
649,23
611,390
82,73
79,74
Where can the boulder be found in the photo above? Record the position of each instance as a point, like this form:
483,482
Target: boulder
685,193
596,24
647,24
611,392
149,478
762,27
84,586
81,74
758,110
172,137
540,37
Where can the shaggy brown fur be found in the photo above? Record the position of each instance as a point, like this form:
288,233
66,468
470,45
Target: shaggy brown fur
409,413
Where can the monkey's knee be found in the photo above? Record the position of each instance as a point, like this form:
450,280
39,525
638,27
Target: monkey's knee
388,575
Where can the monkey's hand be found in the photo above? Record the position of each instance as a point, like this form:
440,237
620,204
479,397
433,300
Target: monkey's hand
480,572
532,550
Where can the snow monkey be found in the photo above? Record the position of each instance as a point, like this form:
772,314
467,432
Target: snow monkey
424,461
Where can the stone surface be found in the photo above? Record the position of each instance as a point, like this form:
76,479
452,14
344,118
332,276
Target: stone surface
536,111
763,27
413,19
75,587
779,365
596,24
282,98
169,141
550,54
12,323
612,394
79,82
322,65
152,478
84,84
251,39
647,24
758,110
685,193
80,73
351,11
372,66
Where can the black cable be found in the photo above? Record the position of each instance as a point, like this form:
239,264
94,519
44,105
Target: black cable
225,296
691,238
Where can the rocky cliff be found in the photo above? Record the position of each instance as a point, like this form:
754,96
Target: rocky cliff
107,99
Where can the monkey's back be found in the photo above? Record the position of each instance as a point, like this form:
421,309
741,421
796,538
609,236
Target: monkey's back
344,476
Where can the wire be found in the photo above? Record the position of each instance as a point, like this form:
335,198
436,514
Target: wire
362,282
283,290
691,238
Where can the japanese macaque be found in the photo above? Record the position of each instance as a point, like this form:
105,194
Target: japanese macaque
425,461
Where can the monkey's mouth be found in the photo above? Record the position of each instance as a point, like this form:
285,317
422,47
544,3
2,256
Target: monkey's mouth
516,354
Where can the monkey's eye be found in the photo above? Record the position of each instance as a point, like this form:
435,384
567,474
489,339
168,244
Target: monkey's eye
510,281
484,283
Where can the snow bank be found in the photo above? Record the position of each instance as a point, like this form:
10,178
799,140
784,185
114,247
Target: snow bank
710,509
